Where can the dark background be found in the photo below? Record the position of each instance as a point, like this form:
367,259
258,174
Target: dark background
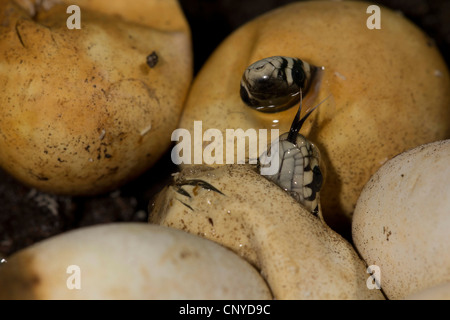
211,21
28,216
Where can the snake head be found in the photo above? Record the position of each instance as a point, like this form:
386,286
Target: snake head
273,84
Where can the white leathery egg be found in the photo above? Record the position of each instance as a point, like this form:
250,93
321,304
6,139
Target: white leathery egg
299,256
401,222
439,292
129,261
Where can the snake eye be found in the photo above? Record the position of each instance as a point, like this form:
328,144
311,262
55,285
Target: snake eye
274,84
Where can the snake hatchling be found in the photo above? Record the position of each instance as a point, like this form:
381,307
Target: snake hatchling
275,84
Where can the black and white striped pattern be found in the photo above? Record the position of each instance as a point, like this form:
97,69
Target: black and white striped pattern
273,84
299,173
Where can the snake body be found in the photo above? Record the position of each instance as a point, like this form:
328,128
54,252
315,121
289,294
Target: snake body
299,171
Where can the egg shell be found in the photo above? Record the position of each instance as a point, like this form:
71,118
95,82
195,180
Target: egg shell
402,220
388,89
298,255
439,292
129,261
81,112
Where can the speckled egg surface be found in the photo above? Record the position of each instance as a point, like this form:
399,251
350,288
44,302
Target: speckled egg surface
402,220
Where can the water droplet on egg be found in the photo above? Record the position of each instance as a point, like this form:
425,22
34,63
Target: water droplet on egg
275,123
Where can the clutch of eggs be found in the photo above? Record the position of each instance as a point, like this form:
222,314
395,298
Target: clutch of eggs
388,89
298,256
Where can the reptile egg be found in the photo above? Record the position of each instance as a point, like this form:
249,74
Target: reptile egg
299,257
402,222
129,261
439,292
84,111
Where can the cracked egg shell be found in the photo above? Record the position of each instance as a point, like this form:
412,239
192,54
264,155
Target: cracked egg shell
298,255
81,111
129,261
389,90
402,221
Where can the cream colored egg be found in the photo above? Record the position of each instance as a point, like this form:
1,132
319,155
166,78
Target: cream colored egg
439,292
298,255
389,90
81,111
129,261
402,220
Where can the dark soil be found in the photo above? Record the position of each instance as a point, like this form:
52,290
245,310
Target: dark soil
28,216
